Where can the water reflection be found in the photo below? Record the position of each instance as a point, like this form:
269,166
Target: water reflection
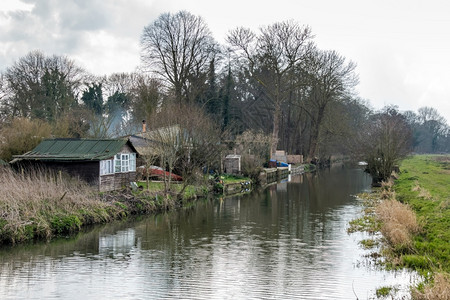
288,241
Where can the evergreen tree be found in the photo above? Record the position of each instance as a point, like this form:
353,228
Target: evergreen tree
93,98
226,100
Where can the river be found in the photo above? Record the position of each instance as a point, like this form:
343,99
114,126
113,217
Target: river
288,241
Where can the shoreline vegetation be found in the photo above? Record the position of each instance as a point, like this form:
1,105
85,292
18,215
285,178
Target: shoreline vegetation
41,205
412,212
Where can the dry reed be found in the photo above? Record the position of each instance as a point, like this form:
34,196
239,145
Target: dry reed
440,290
399,222
29,203
423,193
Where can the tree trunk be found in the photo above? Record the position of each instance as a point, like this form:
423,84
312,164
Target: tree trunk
315,129
276,128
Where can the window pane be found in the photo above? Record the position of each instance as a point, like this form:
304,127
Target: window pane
117,164
125,162
133,162
106,167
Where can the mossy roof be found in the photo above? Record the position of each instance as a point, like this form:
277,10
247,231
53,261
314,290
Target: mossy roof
75,149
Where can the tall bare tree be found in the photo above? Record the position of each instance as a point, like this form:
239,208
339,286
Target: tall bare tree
329,78
179,48
186,140
146,95
40,86
269,57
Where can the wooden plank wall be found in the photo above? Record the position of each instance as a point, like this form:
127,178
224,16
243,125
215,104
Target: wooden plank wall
116,181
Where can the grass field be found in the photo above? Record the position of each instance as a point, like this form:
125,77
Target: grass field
424,184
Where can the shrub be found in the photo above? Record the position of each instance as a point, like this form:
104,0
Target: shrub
251,167
65,224
22,135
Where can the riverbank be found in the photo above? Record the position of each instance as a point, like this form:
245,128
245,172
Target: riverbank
38,205
412,212
42,206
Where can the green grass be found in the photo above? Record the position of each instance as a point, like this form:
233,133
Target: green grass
227,179
424,184
367,223
152,186
368,243
384,291
190,192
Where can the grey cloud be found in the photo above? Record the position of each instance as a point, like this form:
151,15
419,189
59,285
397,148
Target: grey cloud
71,28
72,15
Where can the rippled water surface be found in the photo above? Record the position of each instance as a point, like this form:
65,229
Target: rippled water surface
286,242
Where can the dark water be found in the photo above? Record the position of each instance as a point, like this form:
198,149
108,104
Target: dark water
288,241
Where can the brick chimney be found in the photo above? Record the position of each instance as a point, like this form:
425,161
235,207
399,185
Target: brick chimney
144,126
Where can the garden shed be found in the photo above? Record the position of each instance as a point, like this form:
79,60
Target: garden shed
109,164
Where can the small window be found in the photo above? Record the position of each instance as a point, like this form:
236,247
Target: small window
132,162
106,167
125,162
117,164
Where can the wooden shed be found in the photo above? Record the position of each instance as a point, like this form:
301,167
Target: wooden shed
109,164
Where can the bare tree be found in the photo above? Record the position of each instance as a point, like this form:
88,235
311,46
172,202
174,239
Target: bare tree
146,96
269,58
329,78
254,148
433,128
186,140
179,48
40,86
384,140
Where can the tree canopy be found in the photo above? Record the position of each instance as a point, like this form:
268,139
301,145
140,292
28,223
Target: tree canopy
275,81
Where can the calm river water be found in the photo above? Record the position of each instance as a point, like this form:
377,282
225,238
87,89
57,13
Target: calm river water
288,241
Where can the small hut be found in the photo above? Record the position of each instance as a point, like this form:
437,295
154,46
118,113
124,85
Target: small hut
109,164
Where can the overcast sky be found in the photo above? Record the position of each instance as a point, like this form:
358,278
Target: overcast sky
401,47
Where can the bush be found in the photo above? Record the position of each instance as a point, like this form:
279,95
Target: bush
251,167
21,136
65,224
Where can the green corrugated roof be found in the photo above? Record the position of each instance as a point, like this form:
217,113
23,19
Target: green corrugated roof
75,149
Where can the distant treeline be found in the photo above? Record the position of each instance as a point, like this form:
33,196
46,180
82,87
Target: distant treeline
275,81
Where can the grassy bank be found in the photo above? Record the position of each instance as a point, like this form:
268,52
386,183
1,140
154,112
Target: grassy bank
40,205
424,184
412,211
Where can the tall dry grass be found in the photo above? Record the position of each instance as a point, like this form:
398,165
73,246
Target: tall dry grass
439,290
399,222
35,203
423,193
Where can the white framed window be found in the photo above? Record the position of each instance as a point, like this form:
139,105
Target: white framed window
106,167
117,163
132,162
125,162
